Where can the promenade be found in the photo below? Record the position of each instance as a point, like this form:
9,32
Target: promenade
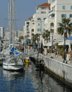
34,54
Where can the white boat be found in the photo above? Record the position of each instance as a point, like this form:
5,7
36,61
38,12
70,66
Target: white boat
13,64
12,60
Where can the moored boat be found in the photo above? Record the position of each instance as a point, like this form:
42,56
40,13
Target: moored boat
13,64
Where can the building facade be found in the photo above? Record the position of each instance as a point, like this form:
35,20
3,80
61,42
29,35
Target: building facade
36,23
59,9
20,33
1,32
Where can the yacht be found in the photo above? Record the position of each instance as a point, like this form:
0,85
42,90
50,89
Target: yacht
12,59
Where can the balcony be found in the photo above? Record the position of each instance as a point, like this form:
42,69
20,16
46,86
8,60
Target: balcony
32,30
27,23
52,15
28,32
51,11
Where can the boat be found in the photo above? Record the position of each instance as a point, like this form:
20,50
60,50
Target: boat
13,64
12,55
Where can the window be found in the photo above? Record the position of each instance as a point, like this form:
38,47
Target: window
38,18
70,16
43,7
63,15
52,30
38,29
38,24
63,7
43,29
44,24
71,7
43,12
44,18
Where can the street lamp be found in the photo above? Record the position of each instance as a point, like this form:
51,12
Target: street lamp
52,40
64,44
34,43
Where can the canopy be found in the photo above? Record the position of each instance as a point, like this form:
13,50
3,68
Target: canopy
55,41
27,40
70,38
49,43
67,41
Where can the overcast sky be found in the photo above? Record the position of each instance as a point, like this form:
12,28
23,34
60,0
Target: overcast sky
23,9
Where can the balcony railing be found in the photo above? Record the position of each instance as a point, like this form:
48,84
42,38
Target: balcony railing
51,10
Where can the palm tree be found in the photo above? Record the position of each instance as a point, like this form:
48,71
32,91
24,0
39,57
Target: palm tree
47,35
35,37
65,24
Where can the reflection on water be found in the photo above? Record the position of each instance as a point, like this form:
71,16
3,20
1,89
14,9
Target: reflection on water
12,75
30,80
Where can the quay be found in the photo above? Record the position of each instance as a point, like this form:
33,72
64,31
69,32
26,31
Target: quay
56,67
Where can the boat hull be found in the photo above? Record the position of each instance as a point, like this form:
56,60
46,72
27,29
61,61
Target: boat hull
12,67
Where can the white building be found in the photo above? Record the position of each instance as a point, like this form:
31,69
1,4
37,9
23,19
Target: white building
20,33
7,35
59,9
27,29
39,18
1,32
36,24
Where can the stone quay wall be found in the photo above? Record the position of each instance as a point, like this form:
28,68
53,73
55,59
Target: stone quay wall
59,68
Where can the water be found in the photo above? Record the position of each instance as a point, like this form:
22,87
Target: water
29,80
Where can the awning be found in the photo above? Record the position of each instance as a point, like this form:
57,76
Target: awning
50,44
70,38
27,40
54,42
67,41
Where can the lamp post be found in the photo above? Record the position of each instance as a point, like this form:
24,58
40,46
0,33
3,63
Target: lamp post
34,44
52,40
64,44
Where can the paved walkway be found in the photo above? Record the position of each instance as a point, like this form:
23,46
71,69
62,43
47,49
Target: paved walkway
34,54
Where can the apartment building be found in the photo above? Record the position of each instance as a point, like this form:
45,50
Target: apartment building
1,32
35,24
27,30
59,9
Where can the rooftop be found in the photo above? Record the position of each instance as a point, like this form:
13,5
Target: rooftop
44,5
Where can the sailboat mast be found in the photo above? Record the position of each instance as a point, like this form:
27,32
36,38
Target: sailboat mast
9,17
13,22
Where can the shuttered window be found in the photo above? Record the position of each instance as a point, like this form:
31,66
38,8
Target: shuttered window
63,7
70,16
63,15
71,7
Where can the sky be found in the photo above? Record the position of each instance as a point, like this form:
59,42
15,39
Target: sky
23,10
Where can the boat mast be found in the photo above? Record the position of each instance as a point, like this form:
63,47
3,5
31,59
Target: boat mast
9,18
13,22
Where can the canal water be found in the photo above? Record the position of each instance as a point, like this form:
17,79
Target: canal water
30,80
